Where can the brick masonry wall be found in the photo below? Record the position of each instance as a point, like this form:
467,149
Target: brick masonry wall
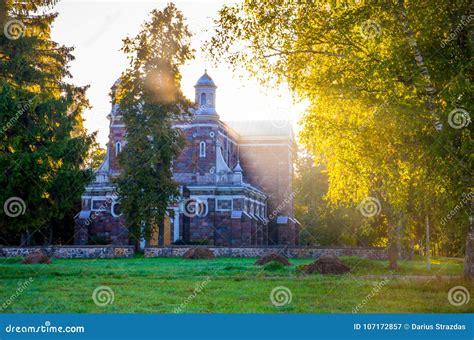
269,168
104,226
72,252
290,252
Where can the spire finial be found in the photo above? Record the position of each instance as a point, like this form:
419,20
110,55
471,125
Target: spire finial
205,70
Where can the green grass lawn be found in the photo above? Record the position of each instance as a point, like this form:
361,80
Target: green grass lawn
229,285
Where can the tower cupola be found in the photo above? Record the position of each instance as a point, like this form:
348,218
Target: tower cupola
205,95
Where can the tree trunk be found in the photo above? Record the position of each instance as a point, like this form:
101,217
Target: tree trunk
393,255
428,259
28,238
23,240
50,236
393,247
430,91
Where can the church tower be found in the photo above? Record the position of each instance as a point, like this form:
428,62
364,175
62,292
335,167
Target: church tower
206,96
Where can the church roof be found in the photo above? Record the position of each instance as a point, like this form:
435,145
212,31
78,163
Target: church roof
256,128
205,80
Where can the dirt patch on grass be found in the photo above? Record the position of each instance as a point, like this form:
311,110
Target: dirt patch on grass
199,254
326,265
274,257
36,257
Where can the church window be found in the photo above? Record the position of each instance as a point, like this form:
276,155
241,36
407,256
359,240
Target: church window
118,148
97,204
202,149
203,99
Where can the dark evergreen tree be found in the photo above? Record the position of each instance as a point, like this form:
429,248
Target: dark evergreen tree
151,101
43,145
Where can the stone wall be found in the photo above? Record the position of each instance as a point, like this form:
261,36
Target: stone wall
469,260
72,252
290,252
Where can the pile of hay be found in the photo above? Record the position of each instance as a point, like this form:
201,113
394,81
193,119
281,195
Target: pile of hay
199,254
36,257
326,265
274,257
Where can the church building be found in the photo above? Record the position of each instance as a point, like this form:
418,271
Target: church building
235,181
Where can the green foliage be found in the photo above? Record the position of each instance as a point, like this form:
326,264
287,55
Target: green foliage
202,242
96,156
151,101
377,76
274,266
325,224
43,145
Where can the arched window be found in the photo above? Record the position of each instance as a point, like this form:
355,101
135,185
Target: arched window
118,148
202,149
203,99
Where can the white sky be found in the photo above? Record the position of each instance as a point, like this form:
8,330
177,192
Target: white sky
96,29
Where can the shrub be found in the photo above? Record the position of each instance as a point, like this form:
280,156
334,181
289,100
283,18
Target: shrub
274,266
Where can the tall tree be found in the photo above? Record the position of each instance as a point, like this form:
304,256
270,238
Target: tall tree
43,145
151,100
326,224
377,76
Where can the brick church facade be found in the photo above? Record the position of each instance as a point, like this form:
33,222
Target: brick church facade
235,180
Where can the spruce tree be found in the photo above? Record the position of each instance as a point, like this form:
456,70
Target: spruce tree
43,144
151,101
